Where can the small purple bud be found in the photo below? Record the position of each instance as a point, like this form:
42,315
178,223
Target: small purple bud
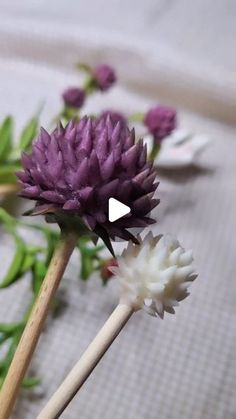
104,76
74,97
160,121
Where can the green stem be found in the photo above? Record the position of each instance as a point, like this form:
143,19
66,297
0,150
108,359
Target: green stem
136,117
155,150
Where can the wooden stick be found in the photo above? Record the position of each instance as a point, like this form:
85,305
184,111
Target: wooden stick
35,323
8,188
81,371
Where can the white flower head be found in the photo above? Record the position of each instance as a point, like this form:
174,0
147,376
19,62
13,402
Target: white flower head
154,275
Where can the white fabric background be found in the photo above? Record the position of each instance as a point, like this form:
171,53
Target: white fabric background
179,50
184,366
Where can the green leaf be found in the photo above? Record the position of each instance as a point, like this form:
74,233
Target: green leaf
9,328
28,134
39,271
9,221
94,251
52,239
14,271
7,173
5,363
30,382
86,267
6,133
27,263
3,338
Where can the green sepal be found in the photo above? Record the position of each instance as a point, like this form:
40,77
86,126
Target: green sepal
69,113
84,67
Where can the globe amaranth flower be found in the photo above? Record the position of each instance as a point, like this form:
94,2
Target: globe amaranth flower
115,117
104,76
74,97
155,274
75,170
160,121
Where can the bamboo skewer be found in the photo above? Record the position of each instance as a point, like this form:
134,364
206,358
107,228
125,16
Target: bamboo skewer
81,371
30,336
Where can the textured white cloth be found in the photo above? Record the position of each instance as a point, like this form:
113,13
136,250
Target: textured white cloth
185,365
176,49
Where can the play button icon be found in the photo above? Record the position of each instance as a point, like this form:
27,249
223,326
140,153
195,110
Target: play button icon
116,210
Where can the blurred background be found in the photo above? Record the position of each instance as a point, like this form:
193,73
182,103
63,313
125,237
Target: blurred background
190,47
176,52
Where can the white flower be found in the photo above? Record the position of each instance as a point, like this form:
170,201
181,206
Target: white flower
154,275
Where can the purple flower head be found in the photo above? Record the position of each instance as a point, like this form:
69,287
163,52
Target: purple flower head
104,76
75,170
160,121
74,97
115,117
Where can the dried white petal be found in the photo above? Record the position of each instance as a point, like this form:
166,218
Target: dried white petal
155,275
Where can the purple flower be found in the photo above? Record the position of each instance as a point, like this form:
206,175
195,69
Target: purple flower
115,117
160,121
76,169
104,77
74,97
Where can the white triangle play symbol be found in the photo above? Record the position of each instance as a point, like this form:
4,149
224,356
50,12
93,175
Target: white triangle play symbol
116,209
